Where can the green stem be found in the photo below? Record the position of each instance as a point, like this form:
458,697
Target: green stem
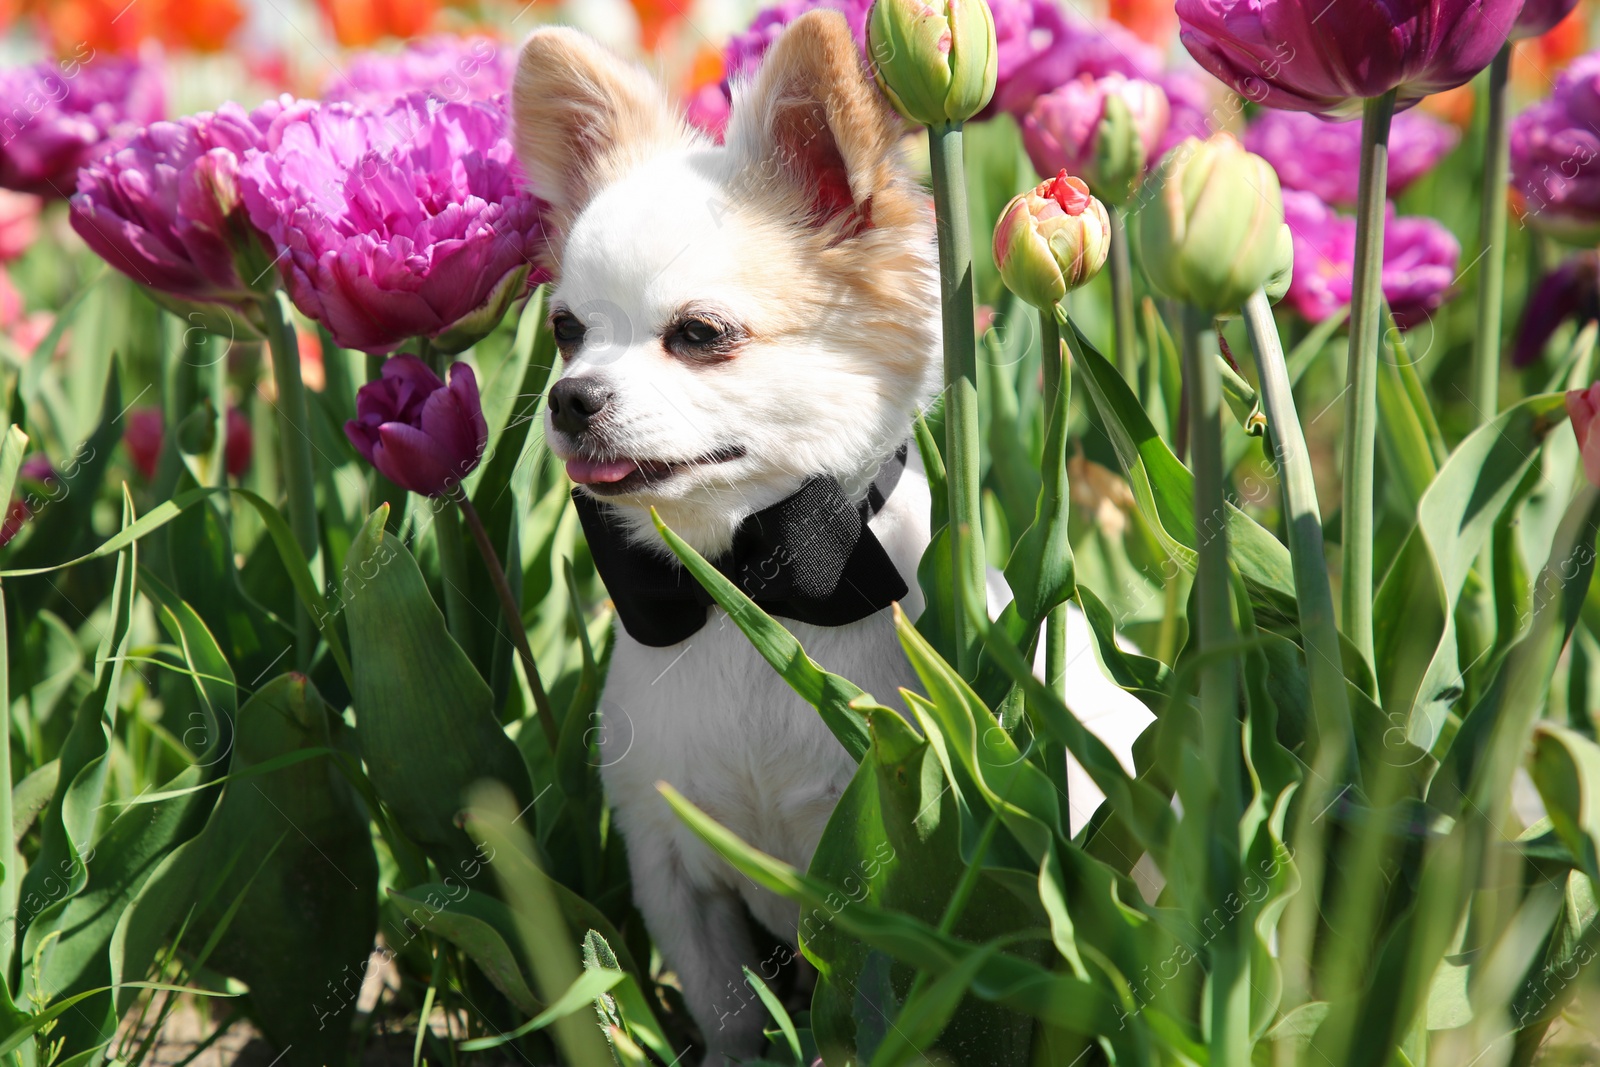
1318,633
961,384
453,574
1219,705
1361,396
1122,298
512,614
1492,240
294,440
1318,630
1058,393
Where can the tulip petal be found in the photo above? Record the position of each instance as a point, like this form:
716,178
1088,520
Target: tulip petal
412,460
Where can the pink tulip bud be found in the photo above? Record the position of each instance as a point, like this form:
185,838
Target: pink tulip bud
1582,406
1051,239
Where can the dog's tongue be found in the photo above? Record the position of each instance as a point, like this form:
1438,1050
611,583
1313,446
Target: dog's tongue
596,472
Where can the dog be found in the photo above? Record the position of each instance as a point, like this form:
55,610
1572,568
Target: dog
737,321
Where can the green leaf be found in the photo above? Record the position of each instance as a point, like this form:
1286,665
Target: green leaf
1164,489
1566,769
927,1012
583,992
423,713
1417,669
478,925
830,694
775,1008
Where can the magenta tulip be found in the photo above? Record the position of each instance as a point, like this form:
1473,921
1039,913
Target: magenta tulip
445,67
1555,155
165,210
60,115
1312,55
1571,291
1324,158
1419,261
394,224
419,433
1065,130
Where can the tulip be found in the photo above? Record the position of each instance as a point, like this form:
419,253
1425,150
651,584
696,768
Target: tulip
238,444
1571,291
1555,156
1582,405
143,437
1213,232
19,223
165,210
1419,261
419,433
388,225
1539,17
1325,157
61,115
37,469
357,23
1301,55
934,59
1051,240
446,67
1105,129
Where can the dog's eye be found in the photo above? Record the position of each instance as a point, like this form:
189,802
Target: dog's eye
567,328
699,332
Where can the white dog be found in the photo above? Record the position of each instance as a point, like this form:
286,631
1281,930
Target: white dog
739,323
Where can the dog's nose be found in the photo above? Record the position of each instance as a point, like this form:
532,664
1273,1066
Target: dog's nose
575,401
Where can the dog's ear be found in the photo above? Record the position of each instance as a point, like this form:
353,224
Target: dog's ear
581,115
814,125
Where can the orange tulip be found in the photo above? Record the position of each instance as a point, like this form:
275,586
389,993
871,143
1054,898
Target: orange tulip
1452,105
357,23
656,17
118,26
1536,61
1152,20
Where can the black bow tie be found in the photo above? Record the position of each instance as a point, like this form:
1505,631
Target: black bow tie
809,557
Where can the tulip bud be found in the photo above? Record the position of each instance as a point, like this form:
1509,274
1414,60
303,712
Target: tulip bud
1213,231
934,59
1103,129
1582,406
1050,240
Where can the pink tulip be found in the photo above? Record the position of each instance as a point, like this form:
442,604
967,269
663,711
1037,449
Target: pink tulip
1582,406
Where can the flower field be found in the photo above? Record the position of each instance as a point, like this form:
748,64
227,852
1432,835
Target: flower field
1269,384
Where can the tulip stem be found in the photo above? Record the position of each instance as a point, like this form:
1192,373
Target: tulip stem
1058,393
294,438
453,574
1492,240
513,616
1122,297
1361,396
961,384
1319,635
1219,703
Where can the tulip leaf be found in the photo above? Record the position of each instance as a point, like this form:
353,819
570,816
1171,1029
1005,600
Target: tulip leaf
1164,488
831,695
1413,611
423,712
478,925
1566,769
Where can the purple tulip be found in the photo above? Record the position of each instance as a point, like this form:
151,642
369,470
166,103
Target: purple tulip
1555,155
165,208
744,51
420,434
1325,157
444,66
1539,17
60,115
1313,55
1571,291
406,222
1419,261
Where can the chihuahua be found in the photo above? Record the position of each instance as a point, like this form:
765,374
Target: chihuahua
748,331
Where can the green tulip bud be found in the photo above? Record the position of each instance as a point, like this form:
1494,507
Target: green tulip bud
934,59
1050,240
1211,231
